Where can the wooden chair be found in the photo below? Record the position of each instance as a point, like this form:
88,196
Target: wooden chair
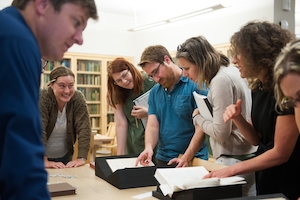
111,148
75,154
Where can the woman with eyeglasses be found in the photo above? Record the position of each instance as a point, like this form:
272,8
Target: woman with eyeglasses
65,118
125,83
287,79
204,64
255,48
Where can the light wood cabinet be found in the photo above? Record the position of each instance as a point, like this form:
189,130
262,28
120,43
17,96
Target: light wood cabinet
90,72
224,49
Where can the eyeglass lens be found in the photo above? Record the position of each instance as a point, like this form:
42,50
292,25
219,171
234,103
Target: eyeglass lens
289,103
123,77
155,72
63,86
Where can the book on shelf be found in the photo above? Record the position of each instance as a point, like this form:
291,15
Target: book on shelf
61,189
178,179
143,101
203,105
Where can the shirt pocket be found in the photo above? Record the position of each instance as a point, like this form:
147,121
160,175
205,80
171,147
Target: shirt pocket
183,106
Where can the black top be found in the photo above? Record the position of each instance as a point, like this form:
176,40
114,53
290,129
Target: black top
284,178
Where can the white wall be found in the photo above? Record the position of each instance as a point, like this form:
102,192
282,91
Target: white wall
109,36
217,30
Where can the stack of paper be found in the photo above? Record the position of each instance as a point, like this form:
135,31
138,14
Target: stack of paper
143,101
123,163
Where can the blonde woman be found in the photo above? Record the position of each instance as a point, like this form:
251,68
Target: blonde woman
287,79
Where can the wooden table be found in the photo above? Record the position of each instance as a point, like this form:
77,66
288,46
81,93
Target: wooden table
91,187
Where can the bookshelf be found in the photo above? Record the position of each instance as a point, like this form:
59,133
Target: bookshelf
110,115
45,79
90,72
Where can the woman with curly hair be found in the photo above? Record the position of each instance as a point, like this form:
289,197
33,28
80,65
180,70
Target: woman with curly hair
125,83
255,48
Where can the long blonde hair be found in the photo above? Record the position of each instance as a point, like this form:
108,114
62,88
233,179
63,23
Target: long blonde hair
287,62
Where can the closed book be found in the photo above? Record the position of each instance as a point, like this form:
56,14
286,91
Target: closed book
61,189
204,106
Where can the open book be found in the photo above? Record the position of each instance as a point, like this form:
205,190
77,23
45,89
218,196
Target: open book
177,179
203,105
122,163
143,101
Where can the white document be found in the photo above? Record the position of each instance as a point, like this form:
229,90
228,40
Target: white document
122,163
177,179
203,105
143,101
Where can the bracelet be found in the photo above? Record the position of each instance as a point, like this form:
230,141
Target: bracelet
82,159
195,116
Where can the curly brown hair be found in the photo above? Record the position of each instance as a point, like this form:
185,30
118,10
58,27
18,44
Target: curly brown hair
259,43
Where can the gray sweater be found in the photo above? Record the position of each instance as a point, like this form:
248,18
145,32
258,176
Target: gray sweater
226,87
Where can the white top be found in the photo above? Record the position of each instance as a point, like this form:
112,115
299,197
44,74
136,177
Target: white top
226,87
57,145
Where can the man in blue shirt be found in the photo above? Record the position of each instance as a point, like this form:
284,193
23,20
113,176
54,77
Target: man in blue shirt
171,105
30,30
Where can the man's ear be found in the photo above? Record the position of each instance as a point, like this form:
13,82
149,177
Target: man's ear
41,6
167,59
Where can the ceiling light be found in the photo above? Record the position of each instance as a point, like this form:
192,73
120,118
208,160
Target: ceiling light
138,28
192,14
182,17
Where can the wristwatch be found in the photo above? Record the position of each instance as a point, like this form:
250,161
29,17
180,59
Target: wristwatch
82,159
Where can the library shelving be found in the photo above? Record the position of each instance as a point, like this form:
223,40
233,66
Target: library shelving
90,72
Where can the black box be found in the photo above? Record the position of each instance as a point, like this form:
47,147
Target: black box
125,178
208,193
266,196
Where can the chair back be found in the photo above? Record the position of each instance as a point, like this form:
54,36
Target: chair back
111,131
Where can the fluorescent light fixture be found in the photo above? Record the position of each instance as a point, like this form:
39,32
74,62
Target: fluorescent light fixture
182,17
138,28
192,14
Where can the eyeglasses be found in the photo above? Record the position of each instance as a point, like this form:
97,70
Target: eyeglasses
289,103
123,77
63,86
155,72
44,63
